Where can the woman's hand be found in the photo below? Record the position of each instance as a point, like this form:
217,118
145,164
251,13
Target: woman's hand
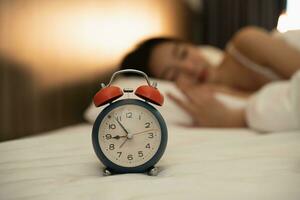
206,110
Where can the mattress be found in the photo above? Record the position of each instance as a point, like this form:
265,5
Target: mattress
198,163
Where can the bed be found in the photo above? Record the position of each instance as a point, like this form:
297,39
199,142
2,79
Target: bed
199,163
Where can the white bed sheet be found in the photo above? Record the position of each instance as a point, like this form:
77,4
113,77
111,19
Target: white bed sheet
198,164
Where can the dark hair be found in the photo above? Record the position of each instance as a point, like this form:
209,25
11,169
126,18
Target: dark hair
139,58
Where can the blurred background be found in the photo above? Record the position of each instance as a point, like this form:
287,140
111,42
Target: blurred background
55,53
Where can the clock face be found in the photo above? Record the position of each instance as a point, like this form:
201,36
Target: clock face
129,135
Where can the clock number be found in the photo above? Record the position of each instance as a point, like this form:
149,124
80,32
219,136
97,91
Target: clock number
150,135
119,118
140,153
108,136
129,115
120,153
147,125
112,126
148,146
130,157
111,147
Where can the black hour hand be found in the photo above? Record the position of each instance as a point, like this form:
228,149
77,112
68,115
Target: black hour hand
119,136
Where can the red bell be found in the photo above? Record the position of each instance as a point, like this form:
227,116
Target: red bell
150,94
106,95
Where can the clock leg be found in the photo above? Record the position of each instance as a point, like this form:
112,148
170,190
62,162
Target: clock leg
107,172
153,171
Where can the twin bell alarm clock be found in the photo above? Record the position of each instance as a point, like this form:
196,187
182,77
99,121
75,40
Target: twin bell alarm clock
129,135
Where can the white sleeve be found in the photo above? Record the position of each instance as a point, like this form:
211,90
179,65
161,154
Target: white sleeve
276,107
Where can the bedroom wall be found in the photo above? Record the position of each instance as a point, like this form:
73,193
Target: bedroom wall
54,54
81,37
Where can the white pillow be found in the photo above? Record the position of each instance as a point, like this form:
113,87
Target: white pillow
172,113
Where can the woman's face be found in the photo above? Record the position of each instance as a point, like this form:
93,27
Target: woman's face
178,61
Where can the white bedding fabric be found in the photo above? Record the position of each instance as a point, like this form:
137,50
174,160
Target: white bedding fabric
197,164
276,107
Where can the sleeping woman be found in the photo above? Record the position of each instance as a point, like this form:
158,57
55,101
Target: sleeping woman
251,61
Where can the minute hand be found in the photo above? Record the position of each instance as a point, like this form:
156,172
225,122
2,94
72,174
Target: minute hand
122,126
143,132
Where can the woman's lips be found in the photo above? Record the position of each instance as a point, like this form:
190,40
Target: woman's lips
202,76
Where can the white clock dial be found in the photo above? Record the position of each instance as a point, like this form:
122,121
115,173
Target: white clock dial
135,145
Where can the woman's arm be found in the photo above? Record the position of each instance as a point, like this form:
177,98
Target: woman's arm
263,49
206,110
257,46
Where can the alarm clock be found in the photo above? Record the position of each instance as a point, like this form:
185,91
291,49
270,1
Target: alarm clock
129,135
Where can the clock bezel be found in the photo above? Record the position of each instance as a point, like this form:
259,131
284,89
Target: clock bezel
137,169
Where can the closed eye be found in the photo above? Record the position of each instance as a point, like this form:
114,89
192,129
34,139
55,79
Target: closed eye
180,51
